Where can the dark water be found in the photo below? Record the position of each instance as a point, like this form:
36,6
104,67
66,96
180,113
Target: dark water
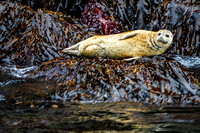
40,116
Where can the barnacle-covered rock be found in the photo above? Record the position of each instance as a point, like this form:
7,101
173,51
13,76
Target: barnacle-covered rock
30,37
149,80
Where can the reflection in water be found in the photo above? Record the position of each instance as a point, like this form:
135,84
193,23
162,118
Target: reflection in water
42,116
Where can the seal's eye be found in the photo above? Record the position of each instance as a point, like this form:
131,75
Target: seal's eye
167,35
159,34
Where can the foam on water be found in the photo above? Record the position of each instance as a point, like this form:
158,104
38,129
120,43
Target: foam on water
2,98
17,72
10,75
11,81
189,62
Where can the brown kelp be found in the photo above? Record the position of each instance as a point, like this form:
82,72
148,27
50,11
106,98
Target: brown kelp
183,18
149,80
30,37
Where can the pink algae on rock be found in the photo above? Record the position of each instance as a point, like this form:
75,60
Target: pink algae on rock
94,16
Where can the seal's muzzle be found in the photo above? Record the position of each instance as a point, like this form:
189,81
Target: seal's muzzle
161,39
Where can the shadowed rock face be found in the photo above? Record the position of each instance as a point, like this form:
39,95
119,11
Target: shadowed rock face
35,37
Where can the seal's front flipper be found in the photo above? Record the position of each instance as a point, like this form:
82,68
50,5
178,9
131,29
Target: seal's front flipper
130,59
128,35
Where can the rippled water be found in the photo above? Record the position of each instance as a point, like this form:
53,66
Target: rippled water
45,116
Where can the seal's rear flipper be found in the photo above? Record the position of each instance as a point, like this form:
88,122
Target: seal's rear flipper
74,47
72,52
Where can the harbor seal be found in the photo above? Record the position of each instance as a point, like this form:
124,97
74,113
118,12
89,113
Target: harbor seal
131,45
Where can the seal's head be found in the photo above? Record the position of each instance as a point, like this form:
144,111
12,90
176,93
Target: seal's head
163,38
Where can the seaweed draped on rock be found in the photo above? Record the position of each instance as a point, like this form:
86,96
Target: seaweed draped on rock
149,80
35,37
183,18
